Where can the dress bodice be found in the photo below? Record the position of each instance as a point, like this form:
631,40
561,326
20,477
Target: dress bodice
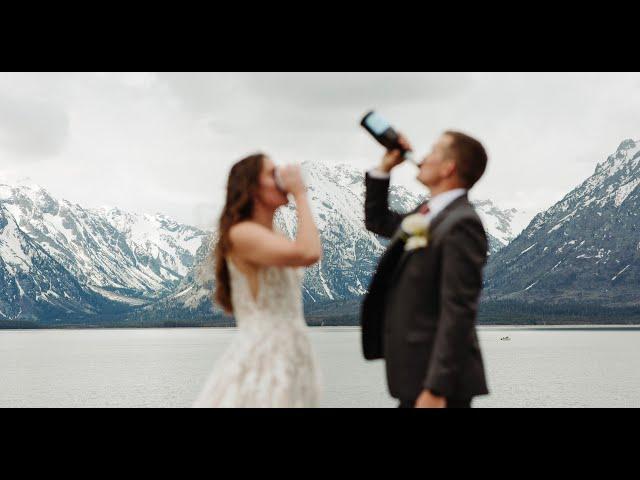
278,302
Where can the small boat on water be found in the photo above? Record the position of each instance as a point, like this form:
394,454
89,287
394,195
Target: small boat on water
505,339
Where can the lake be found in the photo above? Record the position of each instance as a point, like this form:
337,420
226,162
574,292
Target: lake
537,367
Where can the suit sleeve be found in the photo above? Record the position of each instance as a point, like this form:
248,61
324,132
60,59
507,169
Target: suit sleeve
378,218
464,255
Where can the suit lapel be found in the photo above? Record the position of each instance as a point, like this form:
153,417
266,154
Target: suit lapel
394,251
437,220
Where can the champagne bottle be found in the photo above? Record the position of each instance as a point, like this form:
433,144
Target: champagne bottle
384,133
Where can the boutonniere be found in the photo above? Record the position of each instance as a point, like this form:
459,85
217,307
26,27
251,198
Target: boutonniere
415,232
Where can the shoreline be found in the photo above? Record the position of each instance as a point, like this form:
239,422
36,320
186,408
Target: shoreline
480,328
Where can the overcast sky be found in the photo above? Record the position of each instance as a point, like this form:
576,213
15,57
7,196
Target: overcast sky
163,142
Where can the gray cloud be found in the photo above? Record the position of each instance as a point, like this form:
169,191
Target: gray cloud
302,101
32,128
203,92
164,141
345,90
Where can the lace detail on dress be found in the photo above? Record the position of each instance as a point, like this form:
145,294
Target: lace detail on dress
270,363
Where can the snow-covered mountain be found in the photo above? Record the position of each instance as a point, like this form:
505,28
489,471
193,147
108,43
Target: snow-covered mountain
502,225
121,255
159,239
350,252
585,249
110,263
33,285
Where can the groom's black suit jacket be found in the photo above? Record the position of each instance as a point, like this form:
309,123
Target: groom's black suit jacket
420,311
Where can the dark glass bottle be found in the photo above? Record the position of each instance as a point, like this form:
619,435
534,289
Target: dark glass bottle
384,133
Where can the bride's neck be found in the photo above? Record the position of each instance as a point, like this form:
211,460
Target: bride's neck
263,215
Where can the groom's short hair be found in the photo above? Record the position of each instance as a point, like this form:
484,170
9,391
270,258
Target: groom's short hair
470,157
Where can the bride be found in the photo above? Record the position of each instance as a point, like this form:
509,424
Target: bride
258,279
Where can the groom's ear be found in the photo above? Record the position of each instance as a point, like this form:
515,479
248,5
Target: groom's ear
470,157
450,167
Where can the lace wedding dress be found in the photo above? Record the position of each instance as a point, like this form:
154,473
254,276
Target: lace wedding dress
270,362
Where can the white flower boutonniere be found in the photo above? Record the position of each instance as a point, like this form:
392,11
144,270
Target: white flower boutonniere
415,229
415,242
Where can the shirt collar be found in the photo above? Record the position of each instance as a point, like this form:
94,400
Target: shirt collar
443,200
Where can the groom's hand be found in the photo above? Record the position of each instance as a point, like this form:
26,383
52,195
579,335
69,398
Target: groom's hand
393,158
428,400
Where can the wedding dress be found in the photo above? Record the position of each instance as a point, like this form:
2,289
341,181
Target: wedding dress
270,363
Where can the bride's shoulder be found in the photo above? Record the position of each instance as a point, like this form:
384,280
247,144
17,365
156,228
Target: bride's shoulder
250,231
246,230
245,225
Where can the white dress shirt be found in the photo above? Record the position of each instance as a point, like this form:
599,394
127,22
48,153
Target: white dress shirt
441,201
436,203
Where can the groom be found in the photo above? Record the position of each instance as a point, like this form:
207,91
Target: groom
420,312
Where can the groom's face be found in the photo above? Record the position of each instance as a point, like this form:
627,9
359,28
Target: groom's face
438,165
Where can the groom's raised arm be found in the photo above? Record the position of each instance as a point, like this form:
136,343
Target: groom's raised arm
378,218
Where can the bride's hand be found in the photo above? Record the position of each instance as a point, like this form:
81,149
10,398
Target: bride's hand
292,181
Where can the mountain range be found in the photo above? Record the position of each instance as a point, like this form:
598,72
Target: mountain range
580,257
62,262
334,287
33,285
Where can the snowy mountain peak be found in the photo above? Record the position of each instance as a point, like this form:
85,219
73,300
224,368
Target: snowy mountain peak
626,157
581,247
612,182
106,256
33,285
503,224
105,249
627,144
350,252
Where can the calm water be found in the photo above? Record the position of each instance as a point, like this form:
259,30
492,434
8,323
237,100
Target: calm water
166,367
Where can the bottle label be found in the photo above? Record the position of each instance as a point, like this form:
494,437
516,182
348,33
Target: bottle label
377,124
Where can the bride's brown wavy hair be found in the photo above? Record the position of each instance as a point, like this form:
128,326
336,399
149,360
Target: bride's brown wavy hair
242,186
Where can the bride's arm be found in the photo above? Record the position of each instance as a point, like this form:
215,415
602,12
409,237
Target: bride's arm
261,246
